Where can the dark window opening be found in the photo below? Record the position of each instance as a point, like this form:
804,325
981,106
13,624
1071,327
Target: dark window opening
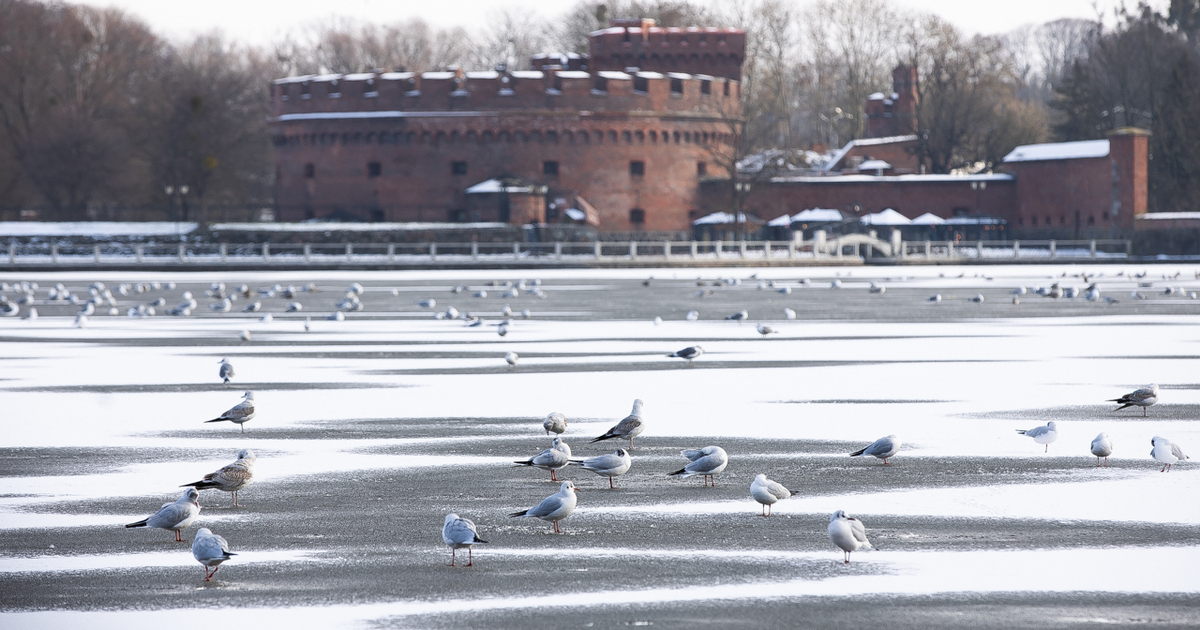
458,168
376,215
600,84
458,216
637,216
706,87
641,84
1091,220
374,169
549,168
676,86
637,169
701,169
1033,221
726,87
310,170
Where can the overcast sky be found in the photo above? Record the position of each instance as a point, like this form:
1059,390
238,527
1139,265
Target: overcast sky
262,22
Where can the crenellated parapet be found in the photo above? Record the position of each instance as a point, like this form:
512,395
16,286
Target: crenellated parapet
298,98
718,52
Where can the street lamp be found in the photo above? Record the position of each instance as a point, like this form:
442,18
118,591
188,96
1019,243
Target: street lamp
178,193
978,187
743,188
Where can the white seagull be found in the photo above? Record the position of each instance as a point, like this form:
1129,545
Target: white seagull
553,459
553,508
1042,435
691,353
883,448
1143,398
511,358
230,478
848,533
1102,447
612,465
457,533
765,330
1166,452
210,550
740,316
239,413
630,427
767,492
174,516
707,461
555,422
226,370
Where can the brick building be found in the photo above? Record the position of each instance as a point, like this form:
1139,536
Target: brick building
631,136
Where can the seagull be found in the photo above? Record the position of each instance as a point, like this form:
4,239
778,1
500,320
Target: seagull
175,516
230,478
612,465
307,324
336,317
936,298
691,353
1102,447
239,413
226,370
848,533
293,307
784,290
210,550
1166,452
555,422
630,427
430,303
224,306
502,330
739,316
458,533
1143,398
877,288
978,299
252,307
1042,435
693,315
553,459
883,448
553,508
244,335
836,284
707,461
767,492
789,313
765,330
511,357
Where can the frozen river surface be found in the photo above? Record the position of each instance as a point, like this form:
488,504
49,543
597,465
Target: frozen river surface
370,430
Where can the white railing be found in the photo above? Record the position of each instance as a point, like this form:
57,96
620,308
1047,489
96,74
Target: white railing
852,247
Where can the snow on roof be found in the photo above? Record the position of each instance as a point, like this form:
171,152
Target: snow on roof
437,76
495,186
528,74
575,214
1059,151
361,76
483,74
782,220
95,228
704,77
679,75
928,219
860,178
974,221
818,215
382,114
719,218
300,79
330,226
397,76
573,74
645,74
863,142
1146,216
611,74
327,77
877,96
874,165
886,217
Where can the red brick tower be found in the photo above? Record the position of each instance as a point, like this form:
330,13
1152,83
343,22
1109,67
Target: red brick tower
894,114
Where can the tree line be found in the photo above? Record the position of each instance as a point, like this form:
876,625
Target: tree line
101,118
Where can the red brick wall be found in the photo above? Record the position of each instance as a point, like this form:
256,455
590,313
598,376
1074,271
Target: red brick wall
901,155
713,51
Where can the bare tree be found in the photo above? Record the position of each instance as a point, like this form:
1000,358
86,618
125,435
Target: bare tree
347,46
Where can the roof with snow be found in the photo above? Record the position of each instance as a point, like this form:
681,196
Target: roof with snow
718,218
886,217
782,220
928,218
864,142
514,185
874,165
1059,151
818,215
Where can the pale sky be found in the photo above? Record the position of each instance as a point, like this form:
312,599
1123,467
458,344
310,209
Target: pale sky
261,22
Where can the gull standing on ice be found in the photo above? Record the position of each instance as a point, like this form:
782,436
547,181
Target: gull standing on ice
230,478
767,492
555,422
765,330
553,459
210,550
691,353
174,516
457,533
707,461
239,413
739,316
1042,435
629,428
553,508
848,533
1143,398
1102,447
1166,452
511,358
612,465
883,448
226,370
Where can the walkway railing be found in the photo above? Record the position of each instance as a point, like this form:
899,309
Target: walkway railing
465,254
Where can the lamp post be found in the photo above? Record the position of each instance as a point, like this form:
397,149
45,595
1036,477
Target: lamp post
978,187
743,188
179,193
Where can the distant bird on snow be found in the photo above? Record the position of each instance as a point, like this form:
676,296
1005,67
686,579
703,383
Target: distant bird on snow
210,550
1166,452
555,422
1102,447
765,330
707,461
883,448
230,478
611,465
225,371
767,492
511,358
174,516
691,353
1144,397
240,413
1042,435
848,533
553,508
629,427
457,533
739,316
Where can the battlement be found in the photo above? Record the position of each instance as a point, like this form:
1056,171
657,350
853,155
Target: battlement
485,91
717,52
